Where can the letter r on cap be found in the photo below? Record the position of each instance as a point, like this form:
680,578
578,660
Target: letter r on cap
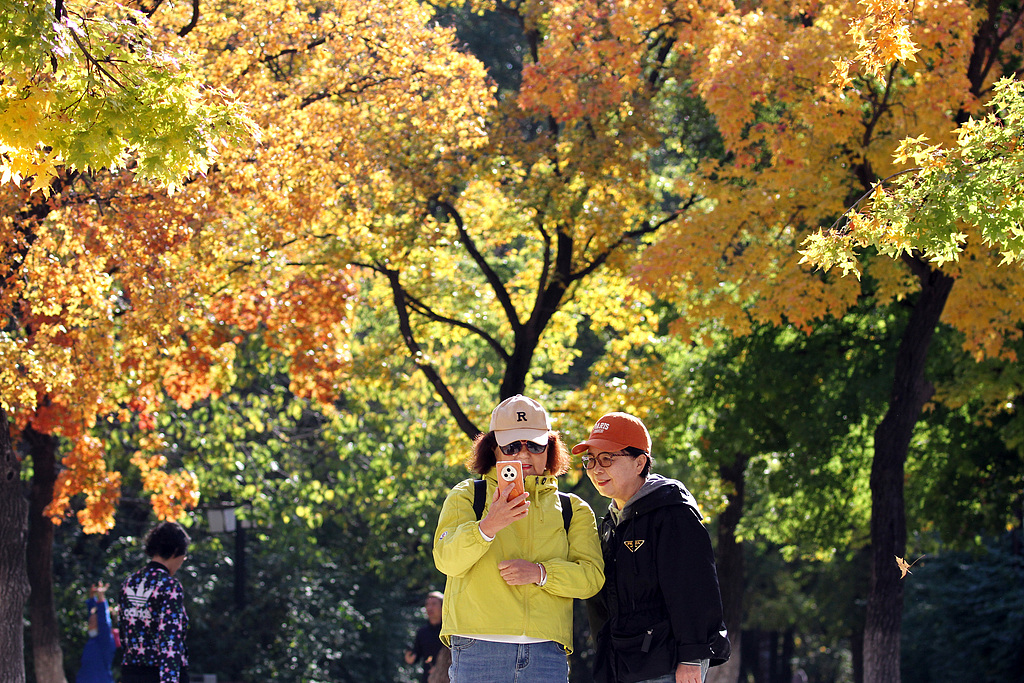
521,416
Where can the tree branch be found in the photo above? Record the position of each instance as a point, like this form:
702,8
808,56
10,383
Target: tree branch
268,59
192,23
418,357
659,62
492,277
918,267
92,60
429,313
853,207
152,10
648,228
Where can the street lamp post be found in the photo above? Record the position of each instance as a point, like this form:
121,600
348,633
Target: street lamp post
222,519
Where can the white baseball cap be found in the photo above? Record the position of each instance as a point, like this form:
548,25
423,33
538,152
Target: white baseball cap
519,417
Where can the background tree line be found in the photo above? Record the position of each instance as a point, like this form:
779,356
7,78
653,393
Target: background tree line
447,205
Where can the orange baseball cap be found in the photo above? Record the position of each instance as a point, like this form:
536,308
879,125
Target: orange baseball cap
615,431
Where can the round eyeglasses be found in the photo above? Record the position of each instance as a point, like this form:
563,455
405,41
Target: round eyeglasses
602,459
516,446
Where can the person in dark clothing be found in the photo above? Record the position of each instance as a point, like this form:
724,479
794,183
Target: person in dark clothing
154,622
658,618
427,644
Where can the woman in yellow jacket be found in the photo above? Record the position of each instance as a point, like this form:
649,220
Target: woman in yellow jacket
514,570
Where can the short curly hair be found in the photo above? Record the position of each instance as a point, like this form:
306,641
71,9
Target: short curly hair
482,460
167,540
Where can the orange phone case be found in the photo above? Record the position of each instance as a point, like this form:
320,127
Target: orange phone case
510,471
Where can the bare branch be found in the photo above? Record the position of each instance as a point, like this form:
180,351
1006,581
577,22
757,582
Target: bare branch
647,228
427,312
152,10
853,207
418,357
92,60
492,277
192,23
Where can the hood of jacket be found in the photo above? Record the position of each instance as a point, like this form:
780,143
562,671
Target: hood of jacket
656,492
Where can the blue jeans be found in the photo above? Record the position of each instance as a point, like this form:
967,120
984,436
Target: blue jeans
671,678
483,661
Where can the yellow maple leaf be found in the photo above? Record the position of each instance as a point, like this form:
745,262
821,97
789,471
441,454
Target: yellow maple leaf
904,567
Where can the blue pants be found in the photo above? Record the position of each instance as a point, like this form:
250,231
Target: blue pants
482,661
671,678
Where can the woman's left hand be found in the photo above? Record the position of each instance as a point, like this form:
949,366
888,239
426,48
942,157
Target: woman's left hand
519,572
688,673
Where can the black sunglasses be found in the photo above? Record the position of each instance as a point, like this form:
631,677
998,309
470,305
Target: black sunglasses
516,446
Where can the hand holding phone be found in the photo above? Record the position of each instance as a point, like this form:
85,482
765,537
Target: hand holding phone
502,512
510,472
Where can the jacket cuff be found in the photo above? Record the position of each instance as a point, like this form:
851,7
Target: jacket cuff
692,653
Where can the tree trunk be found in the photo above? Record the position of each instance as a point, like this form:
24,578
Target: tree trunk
47,656
13,579
857,655
731,568
784,670
749,656
911,390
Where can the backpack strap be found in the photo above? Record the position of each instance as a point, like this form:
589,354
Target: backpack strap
566,510
480,492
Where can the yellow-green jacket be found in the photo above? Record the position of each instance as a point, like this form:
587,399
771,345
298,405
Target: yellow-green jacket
477,601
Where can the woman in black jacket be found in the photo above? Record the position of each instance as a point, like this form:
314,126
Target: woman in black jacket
658,618
153,619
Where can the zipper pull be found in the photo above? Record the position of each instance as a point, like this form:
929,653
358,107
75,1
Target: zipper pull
646,647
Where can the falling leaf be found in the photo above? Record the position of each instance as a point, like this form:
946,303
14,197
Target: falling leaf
904,567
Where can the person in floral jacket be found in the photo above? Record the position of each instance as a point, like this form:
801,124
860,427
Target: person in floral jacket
153,618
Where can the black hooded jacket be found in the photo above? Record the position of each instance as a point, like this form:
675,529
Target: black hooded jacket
660,604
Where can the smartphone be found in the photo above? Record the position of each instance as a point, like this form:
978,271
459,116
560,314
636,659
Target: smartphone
511,471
